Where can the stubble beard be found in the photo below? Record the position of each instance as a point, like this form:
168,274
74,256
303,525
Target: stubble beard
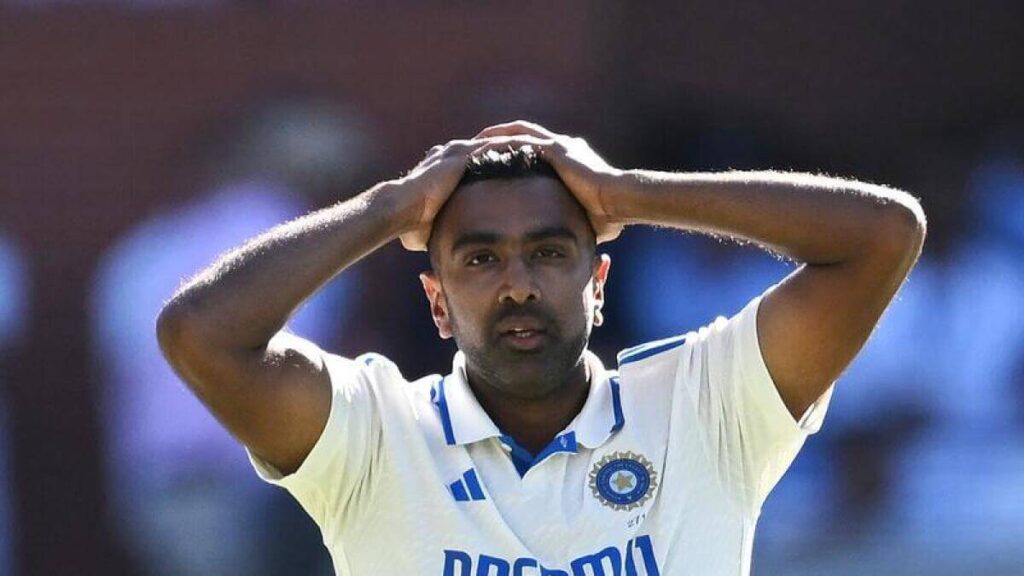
523,375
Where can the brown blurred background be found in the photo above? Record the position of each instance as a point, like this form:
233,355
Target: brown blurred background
112,113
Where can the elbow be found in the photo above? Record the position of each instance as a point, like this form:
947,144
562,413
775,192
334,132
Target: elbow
901,228
185,343
176,330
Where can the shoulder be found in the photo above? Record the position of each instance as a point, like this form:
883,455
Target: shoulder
655,350
369,368
721,339
381,377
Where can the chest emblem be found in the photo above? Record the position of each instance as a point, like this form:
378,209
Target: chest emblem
623,480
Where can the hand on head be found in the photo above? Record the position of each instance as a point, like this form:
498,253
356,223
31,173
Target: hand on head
582,171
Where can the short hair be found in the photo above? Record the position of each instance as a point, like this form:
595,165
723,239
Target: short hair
509,164
512,163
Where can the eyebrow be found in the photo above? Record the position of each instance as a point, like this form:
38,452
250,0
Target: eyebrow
473,238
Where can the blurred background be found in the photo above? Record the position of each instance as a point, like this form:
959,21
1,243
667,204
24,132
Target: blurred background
139,139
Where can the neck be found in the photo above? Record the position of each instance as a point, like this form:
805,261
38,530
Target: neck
533,422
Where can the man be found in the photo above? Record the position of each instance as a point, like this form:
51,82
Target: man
531,458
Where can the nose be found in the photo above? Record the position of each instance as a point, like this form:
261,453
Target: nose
518,284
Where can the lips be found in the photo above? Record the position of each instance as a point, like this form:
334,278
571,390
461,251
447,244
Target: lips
522,335
522,332
518,325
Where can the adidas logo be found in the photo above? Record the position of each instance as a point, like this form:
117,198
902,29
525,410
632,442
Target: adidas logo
467,488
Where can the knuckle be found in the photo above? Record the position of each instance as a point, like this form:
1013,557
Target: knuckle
454,147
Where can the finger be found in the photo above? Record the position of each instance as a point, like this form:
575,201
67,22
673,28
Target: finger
416,240
461,148
435,153
609,232
454,151
459,144
507,143
517,127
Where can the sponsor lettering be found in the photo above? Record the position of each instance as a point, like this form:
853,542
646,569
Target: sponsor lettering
636,559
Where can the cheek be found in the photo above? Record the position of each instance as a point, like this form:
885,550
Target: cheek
576,304
463,315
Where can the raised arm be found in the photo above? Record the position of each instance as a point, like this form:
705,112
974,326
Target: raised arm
857,243
222,331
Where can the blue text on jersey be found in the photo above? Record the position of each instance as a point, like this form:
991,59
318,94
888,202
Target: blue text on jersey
608,562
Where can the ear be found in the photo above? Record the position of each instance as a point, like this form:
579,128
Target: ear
438,305
601,267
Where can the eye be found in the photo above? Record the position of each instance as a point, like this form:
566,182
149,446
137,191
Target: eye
549,252
480,258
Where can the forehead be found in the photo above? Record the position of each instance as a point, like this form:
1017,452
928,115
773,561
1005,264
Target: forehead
511,208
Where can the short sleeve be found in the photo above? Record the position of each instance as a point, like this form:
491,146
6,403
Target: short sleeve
340,463
745,427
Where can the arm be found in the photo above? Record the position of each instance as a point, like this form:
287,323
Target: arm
857,243
222,330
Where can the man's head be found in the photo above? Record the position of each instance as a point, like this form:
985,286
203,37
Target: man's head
516,279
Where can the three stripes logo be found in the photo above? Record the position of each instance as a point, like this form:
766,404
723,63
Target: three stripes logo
467,488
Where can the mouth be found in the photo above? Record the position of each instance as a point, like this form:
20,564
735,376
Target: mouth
522,333
524,339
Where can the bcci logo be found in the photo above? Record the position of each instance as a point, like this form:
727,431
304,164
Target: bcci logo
623,480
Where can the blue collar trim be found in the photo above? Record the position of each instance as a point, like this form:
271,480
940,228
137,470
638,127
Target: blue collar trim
642,351
442,407
523,460
601,416
620,419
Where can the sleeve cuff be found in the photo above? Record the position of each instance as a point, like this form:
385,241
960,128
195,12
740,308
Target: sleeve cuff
319,457
766,392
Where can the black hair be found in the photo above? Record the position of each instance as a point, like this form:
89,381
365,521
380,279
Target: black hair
509,164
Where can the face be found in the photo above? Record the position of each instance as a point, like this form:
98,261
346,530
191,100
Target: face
516,282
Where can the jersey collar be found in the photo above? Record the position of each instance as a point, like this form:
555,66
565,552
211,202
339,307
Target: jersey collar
464,421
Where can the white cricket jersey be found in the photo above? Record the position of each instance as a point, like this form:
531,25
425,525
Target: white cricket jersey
663,471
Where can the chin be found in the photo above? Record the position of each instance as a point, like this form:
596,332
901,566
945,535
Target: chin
535,375
531,372
527,387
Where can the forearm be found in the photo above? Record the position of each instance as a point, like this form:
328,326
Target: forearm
812,219
247,295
